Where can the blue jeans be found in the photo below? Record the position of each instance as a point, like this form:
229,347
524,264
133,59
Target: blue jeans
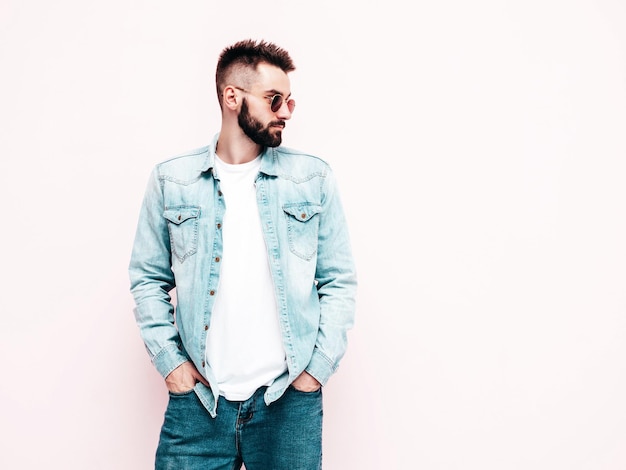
286,435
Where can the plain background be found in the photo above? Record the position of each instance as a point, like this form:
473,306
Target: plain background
480,150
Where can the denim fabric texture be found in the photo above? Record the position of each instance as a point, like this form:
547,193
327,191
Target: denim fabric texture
286,435
178,244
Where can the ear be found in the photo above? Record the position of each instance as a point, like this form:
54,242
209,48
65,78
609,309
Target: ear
230,97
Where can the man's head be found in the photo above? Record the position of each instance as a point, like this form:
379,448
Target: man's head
251,80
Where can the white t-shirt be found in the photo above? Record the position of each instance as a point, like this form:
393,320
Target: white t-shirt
244,345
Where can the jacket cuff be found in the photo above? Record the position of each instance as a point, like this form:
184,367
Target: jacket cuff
168,359
321,367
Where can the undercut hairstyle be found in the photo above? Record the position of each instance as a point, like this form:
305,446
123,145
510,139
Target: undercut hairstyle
241,60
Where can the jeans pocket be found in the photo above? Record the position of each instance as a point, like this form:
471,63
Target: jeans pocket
312,392
180,394
302,228
183,229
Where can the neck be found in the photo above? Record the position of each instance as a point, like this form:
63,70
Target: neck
235,147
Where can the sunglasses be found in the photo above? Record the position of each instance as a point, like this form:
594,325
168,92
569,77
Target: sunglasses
276,101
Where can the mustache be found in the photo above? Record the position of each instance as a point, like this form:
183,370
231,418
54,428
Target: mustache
278,123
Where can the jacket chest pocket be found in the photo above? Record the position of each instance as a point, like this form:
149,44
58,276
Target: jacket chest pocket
182,224
302,228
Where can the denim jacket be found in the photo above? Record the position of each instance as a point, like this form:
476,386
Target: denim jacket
178,244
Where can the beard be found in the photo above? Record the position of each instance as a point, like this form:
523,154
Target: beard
255,131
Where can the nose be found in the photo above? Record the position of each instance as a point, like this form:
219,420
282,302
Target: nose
284,112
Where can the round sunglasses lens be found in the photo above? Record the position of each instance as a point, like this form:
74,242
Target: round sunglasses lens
277,102
291,104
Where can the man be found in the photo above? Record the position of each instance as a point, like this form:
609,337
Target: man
254,239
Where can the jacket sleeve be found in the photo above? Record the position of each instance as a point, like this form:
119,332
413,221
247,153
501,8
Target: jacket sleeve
336,285
152,279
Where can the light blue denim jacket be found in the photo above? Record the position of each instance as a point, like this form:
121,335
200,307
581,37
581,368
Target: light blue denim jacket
178,243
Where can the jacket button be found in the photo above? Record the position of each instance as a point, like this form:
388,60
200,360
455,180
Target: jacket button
179,217
203,364
219,225
217,259
206,327
303,215
212,292
219,193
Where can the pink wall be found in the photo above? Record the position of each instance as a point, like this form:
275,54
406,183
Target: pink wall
480,149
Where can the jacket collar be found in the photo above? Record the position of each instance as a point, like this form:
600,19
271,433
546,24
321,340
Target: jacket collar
269,159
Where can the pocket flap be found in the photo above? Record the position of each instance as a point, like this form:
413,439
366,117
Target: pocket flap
177,215
302,211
